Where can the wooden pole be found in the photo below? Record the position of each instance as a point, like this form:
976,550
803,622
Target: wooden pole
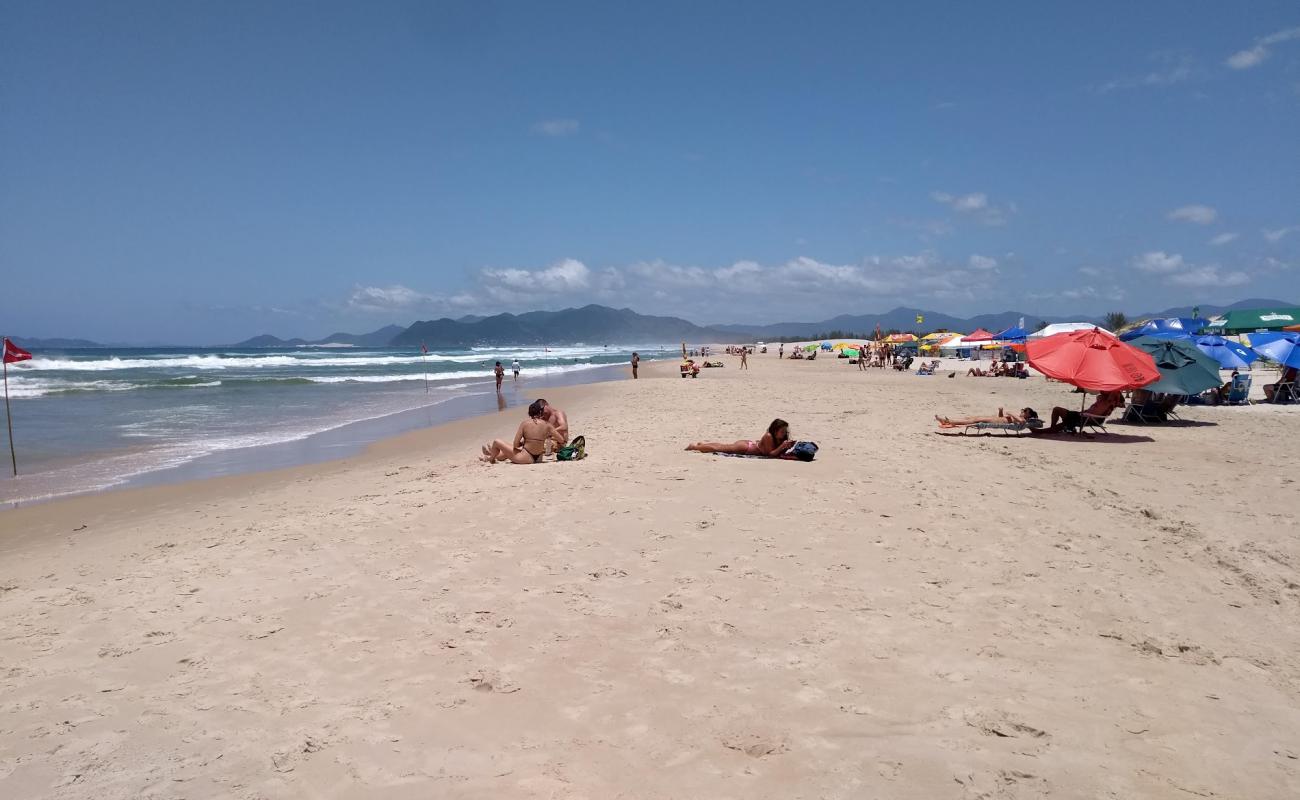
9,421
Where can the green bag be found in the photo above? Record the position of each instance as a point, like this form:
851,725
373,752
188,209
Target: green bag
575,450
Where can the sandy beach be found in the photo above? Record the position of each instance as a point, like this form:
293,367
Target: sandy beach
909,616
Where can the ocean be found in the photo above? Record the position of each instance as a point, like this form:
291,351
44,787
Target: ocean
87,420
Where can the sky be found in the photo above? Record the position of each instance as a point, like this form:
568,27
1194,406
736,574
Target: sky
201,172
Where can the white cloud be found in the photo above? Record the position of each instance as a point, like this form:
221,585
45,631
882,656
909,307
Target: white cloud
1091,272
562,277
1168,69
976,205
1253,56
1178,272
1199,214
556,127
1209,276
379,299
1159,262
982,262
1224,238
1278,234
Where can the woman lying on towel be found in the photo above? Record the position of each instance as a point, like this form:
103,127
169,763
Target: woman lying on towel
1025,415
772,444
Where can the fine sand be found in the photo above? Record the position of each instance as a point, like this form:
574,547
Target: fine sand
909,616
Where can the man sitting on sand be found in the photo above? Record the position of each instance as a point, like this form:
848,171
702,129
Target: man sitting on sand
1024,417
557,419
1063,418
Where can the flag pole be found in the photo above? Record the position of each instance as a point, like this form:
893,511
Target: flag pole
424,359
9,421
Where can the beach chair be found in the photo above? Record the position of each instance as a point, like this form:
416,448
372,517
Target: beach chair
1007,428
1239,394
1143,414
1286,393
1095,423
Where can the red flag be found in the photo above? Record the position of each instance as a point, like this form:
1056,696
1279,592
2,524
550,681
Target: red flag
423,349
14,353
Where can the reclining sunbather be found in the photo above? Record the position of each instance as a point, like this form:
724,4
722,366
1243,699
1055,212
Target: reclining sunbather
1024,416
772,444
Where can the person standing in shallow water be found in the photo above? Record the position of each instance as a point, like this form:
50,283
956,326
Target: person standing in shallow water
500,372
636,362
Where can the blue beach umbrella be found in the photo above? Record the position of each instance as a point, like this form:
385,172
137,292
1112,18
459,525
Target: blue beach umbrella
1171,328
1229,354
1284,348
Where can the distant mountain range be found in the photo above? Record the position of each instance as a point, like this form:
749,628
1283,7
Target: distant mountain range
592,324
380,338
595,324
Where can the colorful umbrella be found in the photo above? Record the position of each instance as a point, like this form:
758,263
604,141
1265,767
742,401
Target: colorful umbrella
1092,360
1184,369
1229,354
1284,348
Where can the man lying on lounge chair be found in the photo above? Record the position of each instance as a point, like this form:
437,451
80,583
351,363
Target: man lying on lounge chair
1065,419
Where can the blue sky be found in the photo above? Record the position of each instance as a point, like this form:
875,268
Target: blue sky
200,172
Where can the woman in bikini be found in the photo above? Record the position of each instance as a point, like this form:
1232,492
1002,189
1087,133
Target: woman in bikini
530,440
772,444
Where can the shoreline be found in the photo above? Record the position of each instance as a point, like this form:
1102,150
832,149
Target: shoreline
340,441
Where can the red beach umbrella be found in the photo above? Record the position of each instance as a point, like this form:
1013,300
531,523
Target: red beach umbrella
1092,359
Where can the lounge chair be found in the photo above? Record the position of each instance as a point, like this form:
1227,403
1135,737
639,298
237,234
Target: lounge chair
1144,413
1239,394
1007,428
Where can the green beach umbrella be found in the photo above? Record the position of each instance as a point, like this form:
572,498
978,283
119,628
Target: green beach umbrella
1255,319
1184,369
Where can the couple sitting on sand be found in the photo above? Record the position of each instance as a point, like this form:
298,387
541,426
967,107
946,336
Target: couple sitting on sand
545,423
1062,418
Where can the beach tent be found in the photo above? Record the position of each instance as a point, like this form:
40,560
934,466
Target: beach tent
956,342
1265,319
1173,327
1013,334
901,338
1065,327
1184,369
980,335
1093,360
1229,354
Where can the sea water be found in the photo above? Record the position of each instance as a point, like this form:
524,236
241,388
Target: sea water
90,419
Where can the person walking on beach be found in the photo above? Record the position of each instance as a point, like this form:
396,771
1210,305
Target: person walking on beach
515,366
744,358
862,357
636,361
500,372
780,351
